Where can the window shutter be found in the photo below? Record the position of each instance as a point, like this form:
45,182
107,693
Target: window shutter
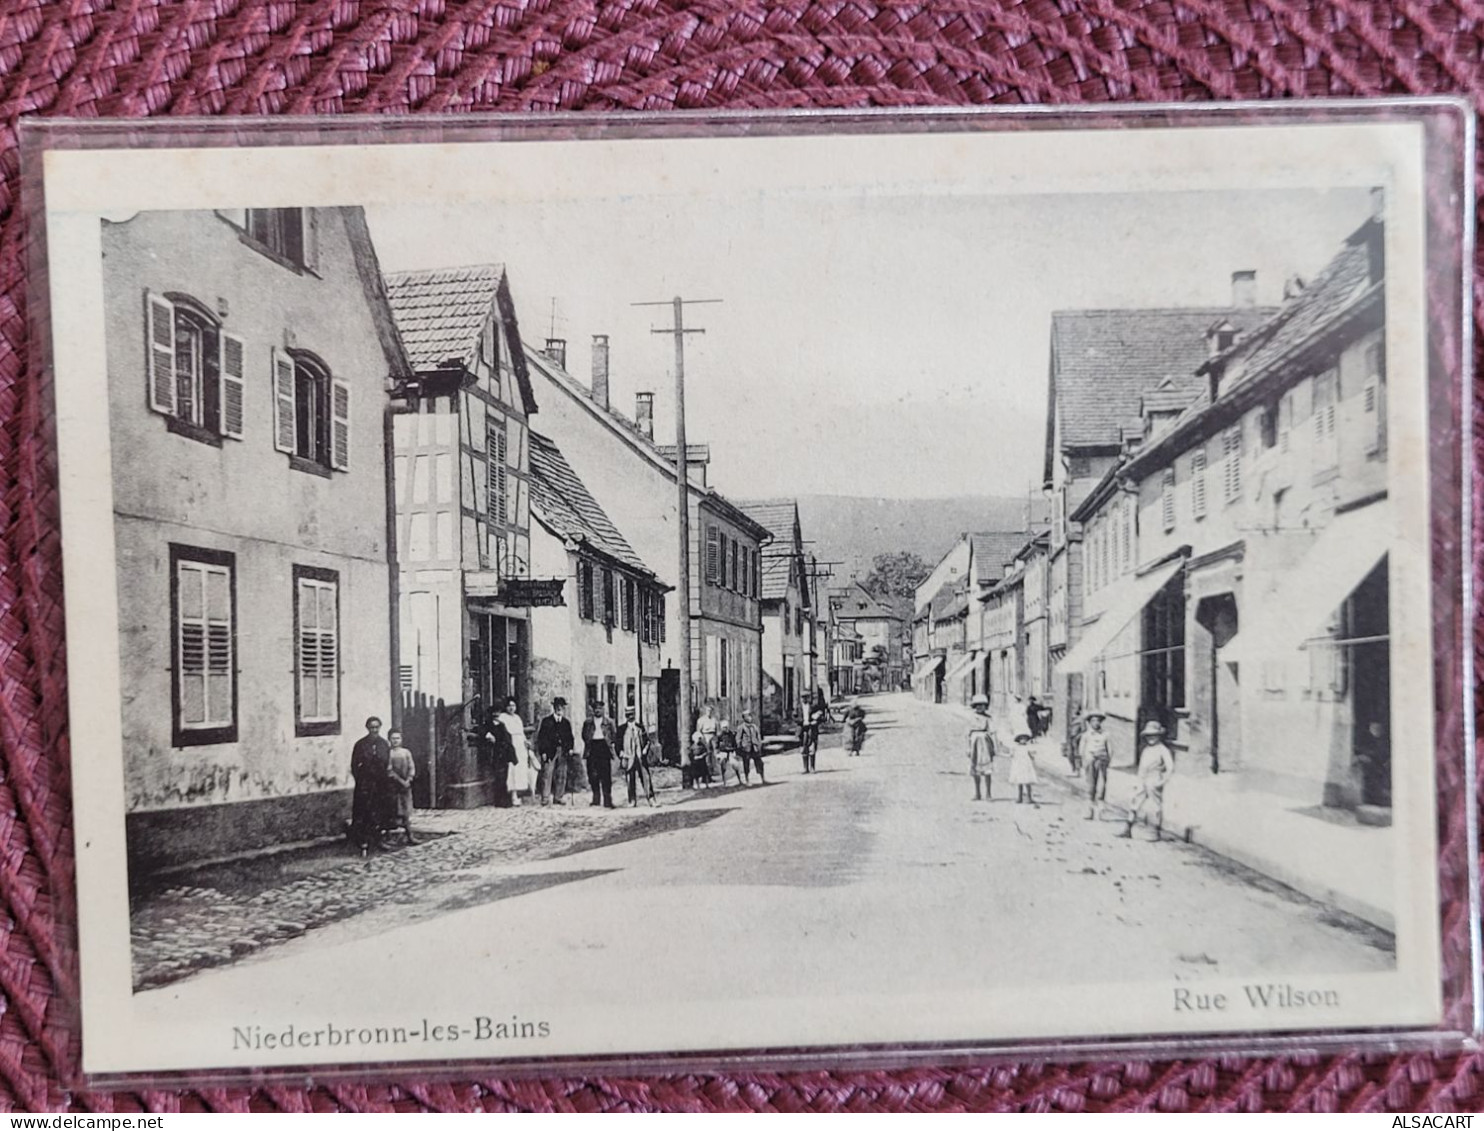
233,387
285,427
340,425
713,555
1232,443
310,220
659,614
609,612
496,448
626,603
1198,484
1371,404
160,352
1167,500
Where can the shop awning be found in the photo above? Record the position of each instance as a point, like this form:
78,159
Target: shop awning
927,668
1129,604
1300,608
962,667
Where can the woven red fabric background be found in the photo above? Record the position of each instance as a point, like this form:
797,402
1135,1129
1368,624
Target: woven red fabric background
208,57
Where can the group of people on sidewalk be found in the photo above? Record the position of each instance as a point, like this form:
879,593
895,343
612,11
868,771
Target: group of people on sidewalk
603,742
1092,755
716,747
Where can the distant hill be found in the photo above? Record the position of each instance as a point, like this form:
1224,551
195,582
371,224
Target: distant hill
854,529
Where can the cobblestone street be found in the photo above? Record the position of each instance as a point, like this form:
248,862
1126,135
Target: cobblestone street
227,912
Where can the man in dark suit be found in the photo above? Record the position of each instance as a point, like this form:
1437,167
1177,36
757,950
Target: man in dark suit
553,747
598,741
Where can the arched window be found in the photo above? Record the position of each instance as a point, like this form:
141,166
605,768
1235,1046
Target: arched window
311,412
194,368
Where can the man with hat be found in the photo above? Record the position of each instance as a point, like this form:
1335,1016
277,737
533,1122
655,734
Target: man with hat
631,758
1156,765
1094,753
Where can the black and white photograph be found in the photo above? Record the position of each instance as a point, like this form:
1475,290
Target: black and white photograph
659,595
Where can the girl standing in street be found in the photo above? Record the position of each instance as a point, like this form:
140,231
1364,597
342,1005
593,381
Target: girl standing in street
1023,769
400,771
981,748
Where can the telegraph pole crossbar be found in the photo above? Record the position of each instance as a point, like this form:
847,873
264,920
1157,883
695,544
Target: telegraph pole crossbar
682,480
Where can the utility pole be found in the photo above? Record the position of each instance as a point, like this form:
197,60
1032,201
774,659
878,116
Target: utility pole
682,482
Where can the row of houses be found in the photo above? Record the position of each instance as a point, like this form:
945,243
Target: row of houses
1215,553
342,493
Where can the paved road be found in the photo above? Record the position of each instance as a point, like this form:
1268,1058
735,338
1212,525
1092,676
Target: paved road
877,869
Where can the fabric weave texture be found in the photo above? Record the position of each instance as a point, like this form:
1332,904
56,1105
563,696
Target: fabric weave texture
88,58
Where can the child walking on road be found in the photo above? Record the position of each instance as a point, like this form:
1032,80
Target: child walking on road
1023,774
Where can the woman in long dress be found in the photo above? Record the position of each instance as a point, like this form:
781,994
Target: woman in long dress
1023,774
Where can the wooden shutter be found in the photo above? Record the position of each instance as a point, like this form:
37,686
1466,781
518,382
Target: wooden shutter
713,555
285,423
585,590
160,352
1232,443
319,651
495,453
204,644
233,385
1198,483
625,604
1167,499
340,425
309,217
609,612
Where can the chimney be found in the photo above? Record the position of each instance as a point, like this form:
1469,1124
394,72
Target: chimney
1244,289
644,414
556,349
600,370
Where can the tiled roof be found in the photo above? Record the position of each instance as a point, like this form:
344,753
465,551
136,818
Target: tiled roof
1169,396
949,601
562,503
775,575
695,453
855,603
779,516
1345,278
440,313
1344,281
1104,360
992,549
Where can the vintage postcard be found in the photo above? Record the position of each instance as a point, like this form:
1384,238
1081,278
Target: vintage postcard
665,595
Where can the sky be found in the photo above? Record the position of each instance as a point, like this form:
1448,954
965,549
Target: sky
867,343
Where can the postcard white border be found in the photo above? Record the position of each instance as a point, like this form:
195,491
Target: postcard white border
82,186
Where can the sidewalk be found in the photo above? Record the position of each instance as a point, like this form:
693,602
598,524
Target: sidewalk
221,913
1323,853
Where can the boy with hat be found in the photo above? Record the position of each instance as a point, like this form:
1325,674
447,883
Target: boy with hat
1094,753
1156,765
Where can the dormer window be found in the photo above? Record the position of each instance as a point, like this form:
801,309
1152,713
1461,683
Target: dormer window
285,234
